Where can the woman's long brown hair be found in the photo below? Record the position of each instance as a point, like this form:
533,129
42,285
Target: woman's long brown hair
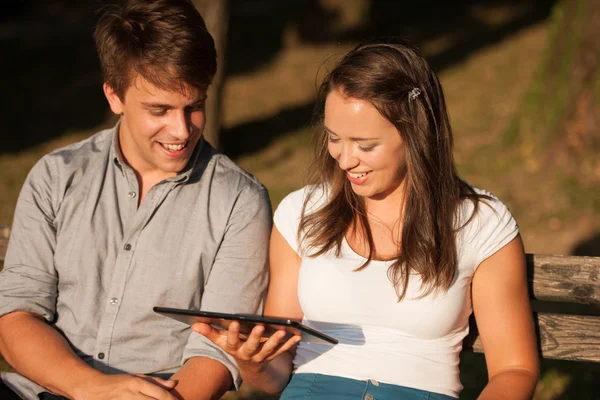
385,73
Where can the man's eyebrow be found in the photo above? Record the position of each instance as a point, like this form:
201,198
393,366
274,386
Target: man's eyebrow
197,102
150,104
156,105
355,139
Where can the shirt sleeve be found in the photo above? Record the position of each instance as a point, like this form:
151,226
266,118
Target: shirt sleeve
493,227
28,281
199,346
287,217
239,276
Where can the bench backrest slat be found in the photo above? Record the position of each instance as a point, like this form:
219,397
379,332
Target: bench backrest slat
561,336
570,279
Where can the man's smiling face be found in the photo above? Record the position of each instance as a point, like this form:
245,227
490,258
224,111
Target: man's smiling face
159,128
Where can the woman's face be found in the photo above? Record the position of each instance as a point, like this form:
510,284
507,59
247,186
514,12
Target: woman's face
366,146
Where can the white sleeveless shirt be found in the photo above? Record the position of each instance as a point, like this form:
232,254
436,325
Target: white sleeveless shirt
415,342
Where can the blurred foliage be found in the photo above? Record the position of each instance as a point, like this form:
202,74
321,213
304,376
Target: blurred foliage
526,122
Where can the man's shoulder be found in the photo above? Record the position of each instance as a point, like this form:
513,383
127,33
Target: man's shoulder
75,159
83,151
232,175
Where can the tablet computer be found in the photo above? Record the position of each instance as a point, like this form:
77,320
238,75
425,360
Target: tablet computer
221,321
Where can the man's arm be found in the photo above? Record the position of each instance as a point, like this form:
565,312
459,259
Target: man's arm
202,378
28,292
237,283
30,346
40,353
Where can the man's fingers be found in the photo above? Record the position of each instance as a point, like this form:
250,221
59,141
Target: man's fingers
273,343
202,328
212,334
254,341
167,384
291,342
152,390
273,347
233,336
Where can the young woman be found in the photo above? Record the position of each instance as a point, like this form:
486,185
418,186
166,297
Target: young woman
390,252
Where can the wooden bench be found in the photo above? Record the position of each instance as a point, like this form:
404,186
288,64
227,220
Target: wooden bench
565,291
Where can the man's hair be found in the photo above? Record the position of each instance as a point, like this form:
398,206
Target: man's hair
164,41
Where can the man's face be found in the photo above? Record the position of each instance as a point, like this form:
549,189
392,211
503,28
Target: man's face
159,128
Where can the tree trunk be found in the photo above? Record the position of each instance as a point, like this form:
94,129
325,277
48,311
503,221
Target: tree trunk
216,16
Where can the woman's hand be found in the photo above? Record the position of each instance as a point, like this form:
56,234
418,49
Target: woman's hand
252,351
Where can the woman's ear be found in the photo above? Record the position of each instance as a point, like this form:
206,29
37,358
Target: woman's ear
115,103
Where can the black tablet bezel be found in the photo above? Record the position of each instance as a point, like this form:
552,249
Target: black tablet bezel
189,317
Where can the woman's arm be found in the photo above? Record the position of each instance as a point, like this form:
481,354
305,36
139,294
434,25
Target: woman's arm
505,324
267,366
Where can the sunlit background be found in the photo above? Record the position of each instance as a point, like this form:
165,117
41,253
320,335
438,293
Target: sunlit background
521,78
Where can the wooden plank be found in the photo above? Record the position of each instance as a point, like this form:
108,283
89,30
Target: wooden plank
4,233
570,279
560,336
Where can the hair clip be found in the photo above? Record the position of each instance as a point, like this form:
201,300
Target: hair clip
413,94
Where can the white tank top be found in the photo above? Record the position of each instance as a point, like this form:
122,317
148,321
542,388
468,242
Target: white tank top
415,342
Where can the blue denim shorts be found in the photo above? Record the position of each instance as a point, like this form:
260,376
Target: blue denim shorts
326,387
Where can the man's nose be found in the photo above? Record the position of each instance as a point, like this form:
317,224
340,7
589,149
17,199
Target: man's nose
180,125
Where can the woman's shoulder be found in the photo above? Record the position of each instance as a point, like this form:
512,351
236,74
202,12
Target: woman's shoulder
288,214
294,201
481,207
486,223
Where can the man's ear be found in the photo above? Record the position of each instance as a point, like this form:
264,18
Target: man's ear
115,103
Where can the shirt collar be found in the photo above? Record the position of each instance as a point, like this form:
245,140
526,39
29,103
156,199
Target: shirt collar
115,150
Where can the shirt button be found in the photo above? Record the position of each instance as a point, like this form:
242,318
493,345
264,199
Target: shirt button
127,247
101,356
369,396
132,195
114,300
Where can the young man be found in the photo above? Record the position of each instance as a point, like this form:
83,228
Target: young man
140,215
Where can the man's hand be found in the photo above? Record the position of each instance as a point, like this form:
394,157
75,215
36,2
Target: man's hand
253,351
126,387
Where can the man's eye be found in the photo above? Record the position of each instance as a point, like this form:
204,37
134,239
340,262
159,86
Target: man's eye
158,113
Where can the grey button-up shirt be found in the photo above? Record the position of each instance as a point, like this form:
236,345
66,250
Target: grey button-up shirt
86,258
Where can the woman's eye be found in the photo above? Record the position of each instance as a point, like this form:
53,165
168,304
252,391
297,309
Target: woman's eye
332,139
366,148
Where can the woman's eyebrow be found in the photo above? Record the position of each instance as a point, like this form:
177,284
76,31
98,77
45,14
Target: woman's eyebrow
354,138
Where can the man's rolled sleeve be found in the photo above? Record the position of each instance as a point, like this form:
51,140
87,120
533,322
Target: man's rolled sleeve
28,281
200,346
239,276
